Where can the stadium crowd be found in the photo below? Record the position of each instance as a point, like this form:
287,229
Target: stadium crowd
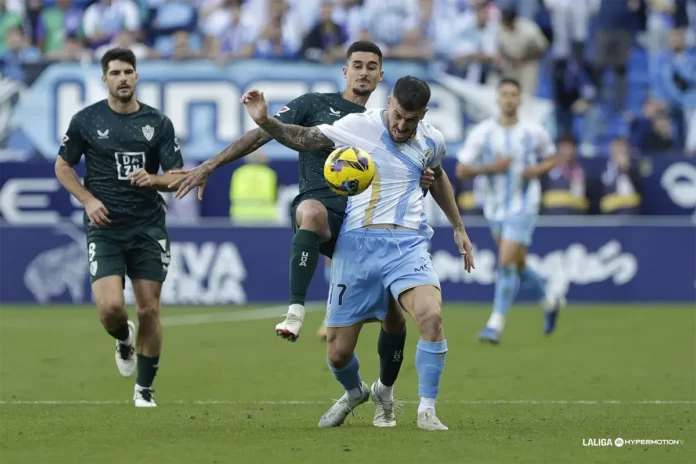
576,42
622,73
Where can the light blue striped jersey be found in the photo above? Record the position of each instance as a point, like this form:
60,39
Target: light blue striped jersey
527,144
395,196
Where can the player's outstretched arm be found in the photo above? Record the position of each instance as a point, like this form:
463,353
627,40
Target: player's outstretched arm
296,137
197,177
444,197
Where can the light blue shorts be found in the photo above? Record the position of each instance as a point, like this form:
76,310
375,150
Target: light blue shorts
518,229
370,264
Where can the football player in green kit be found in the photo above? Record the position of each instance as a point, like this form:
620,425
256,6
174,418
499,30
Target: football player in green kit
125,143
317,212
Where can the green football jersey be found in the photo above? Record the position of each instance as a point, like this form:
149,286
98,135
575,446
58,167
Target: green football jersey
115,145
314,109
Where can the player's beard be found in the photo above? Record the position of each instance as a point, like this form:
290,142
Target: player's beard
362,93
124,98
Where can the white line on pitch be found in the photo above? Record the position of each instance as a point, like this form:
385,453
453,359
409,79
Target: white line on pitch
233,316
310,402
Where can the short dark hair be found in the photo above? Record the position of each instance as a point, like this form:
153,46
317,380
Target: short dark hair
511,81
117,54
364,46
413,94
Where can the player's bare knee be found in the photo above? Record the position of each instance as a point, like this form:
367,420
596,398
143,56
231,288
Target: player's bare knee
112,312
338,353
429,321
148,313
314,217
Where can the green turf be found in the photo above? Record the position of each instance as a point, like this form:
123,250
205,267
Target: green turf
626,354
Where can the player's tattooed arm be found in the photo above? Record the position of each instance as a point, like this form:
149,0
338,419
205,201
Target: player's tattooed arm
245,145
197,177
296,137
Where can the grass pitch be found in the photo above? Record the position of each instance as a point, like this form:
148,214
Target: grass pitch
229,391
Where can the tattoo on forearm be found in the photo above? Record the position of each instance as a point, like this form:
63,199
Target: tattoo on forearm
297,137
245,145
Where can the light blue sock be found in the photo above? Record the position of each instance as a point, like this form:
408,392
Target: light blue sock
533,281
506,283
430,362
348,375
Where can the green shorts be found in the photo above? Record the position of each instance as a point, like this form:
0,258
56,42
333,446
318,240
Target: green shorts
335,222
139,252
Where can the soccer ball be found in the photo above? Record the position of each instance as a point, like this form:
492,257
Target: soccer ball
349,171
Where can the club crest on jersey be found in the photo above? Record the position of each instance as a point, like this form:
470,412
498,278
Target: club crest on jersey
283,110
65,139
148,132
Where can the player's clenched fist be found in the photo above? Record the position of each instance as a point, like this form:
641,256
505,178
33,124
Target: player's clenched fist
97,213
140,178
256,106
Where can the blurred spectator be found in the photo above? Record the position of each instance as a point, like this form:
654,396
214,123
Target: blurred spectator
124,39
660,19
527,9
254,192
621,182
673,75
660,137
350,15
72,50
180,46
570,22
227,37
574,92
18,53
172,16
616,22
642,123
475,43
387,20
104,19
691,138
325,41
8,20
522,45
277,41
564,187
56,23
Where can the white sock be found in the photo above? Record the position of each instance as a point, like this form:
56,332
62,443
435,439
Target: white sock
425,404
354,393
384,392
496,321
297,309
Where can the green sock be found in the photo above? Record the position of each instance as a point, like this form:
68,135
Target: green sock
147,370
304,254
391,355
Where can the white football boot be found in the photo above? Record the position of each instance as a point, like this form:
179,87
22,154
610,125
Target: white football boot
126,360
291,327
336,414
144,397
385,410
427,420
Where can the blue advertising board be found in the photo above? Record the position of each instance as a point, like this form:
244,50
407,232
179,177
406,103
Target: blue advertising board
30,194
202,99
219,264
